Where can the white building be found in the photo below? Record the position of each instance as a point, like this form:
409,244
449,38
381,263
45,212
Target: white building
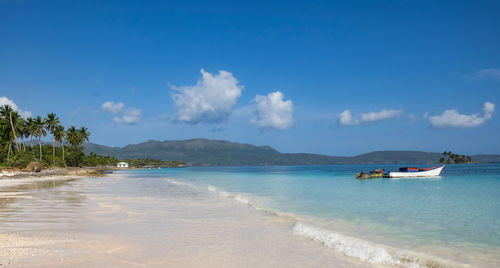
122,165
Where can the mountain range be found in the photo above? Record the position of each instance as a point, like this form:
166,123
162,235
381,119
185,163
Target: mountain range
206,152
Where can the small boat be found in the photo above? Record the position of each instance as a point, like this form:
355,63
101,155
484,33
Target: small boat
374,174
411,172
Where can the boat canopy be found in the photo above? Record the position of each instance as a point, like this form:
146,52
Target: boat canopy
409,169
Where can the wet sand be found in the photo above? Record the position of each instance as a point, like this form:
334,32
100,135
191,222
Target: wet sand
122,221
51,172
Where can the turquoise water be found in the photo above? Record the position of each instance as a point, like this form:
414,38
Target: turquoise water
441,216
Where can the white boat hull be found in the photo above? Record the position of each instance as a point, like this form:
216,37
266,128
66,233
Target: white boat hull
427,173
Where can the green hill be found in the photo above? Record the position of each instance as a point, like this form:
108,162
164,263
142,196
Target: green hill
205,152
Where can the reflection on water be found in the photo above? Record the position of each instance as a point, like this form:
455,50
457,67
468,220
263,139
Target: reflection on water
33,204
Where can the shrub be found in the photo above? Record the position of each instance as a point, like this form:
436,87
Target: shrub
22,159
75,156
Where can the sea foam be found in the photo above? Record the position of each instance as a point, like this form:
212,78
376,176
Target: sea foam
174,182
367,251
237,198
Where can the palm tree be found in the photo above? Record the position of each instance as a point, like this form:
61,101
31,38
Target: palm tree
84,133
77,136
31,129
39,130
73,136
51,122
26,130
59,137
6,133
16,126
19,124
6,112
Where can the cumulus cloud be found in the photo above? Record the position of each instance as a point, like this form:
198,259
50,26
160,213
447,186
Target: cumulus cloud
211,100
490,73
113,107
346,117
131,116
452,118
7,101
273,112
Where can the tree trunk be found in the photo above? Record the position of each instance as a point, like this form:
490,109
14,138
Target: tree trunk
54,151
40,144
64,161
8,152
13,131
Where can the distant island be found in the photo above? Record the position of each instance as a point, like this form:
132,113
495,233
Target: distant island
206,152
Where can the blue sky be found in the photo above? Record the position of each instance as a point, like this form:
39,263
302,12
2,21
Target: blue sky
338,78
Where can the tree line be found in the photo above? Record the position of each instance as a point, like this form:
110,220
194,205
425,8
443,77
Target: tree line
17,135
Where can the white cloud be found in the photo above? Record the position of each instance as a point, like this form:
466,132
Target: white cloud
211,100
113,107
346,118
273,112
7,101
452,118
490,73
131,116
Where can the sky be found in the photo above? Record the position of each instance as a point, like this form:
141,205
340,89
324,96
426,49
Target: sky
328,77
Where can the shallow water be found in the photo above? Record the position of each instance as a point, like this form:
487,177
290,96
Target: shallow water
455,217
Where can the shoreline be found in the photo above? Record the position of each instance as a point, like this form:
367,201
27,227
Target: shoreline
167,230
13,173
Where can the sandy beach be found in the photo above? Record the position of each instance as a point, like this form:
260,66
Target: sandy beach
120,221
69,171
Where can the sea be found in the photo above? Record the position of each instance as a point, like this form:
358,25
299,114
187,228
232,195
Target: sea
451,220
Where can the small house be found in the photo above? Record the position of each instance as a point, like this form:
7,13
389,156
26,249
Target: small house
122,165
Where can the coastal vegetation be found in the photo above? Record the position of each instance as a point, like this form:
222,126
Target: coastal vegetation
94,160
147,162
451,158
17,135
22,146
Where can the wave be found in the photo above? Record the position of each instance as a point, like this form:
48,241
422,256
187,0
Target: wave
370,252
174,182
349,246
237,198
